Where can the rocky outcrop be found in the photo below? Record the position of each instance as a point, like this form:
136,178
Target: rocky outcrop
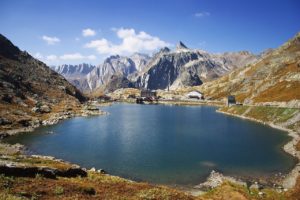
117,82
75,74
181,46
41,109
23,171
12,166
216,179
74,70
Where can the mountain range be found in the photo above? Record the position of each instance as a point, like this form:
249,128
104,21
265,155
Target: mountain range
165,69
271,78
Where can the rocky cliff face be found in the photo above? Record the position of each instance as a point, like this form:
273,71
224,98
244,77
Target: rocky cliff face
75,74
117,82
74,71
28,88
187,67
118,66
273,80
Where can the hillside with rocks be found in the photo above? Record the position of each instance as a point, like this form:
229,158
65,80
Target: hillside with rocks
273,80
30,92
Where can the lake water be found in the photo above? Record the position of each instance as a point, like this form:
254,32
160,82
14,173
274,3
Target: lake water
164,144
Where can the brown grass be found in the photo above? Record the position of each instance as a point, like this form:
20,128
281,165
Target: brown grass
95,186
39,162
281,91
294,194
286,69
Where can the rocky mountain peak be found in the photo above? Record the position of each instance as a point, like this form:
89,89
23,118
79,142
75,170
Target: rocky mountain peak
7,49
180,45
112,57
245,53
164,50
78,70
25,79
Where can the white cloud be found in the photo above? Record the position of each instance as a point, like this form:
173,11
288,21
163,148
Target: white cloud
50,40
202,14
51,58
88,32
91,57
131,42
72,58
77,56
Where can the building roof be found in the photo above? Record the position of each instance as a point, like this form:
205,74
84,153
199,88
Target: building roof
195,93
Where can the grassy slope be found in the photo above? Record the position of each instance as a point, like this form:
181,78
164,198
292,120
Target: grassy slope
285,117
95,186
101,186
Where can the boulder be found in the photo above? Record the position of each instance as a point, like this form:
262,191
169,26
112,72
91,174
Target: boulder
7,98
25,171
4,121
101,171
3,135
45,109
93,169
24,122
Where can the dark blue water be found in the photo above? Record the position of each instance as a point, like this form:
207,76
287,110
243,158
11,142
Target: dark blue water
164,144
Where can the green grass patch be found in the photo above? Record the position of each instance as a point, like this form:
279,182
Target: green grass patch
58,190
272,114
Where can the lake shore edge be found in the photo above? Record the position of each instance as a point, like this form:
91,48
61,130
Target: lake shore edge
215,179
290,180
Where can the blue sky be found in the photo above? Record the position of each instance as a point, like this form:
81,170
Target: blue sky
61,31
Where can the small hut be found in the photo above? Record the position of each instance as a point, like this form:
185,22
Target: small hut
231,100
195,95
148,94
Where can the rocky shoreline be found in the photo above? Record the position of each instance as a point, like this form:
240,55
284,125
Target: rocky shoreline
86,110
8,151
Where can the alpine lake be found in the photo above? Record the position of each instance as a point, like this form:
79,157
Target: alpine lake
172,145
